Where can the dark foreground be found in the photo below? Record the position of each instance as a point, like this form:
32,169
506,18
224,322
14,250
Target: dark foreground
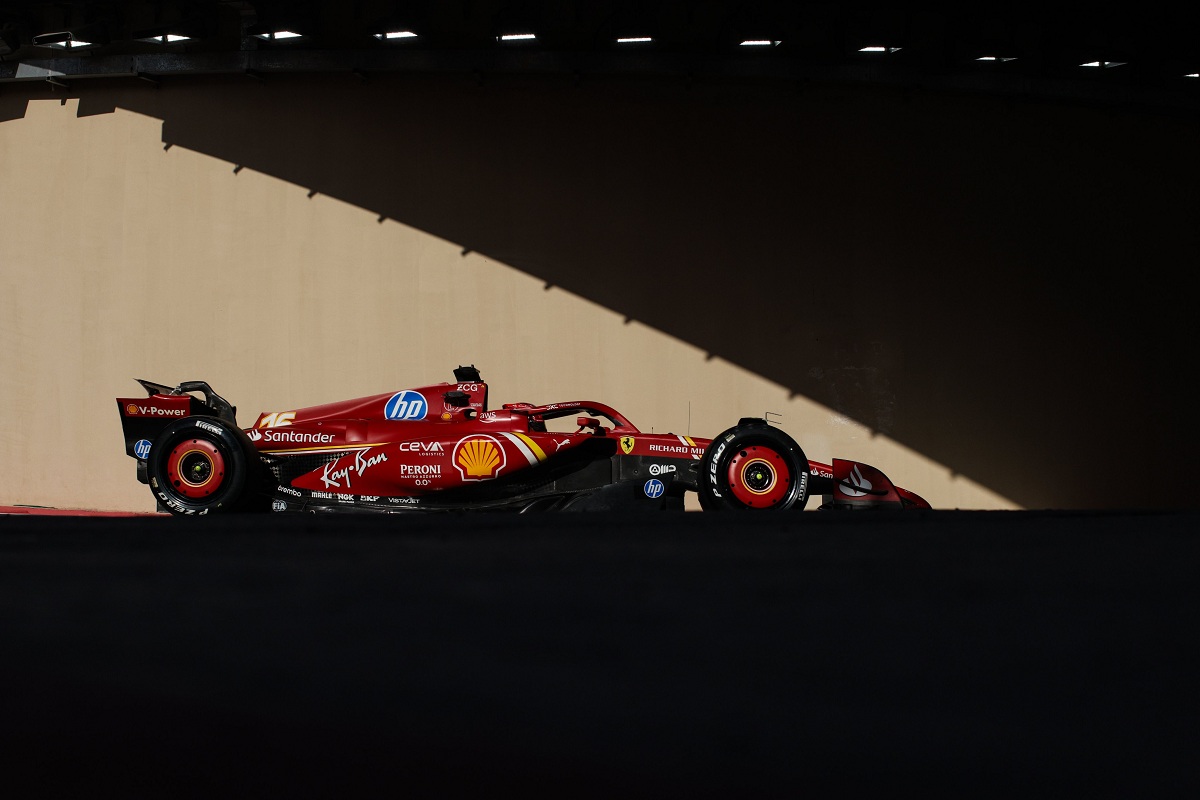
677,655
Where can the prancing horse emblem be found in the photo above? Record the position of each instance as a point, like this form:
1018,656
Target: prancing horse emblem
626,444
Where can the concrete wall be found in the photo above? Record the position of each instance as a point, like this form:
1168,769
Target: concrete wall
906,280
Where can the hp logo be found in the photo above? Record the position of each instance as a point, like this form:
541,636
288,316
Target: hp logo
405,405
141,448
654,488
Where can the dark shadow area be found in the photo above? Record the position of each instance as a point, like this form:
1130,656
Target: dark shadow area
997,284
985,654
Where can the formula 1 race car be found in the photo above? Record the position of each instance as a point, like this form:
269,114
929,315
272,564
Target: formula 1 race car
439,448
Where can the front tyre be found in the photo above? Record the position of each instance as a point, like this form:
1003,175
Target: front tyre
753,466
201,465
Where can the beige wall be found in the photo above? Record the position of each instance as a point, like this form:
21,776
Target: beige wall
971,294
126,260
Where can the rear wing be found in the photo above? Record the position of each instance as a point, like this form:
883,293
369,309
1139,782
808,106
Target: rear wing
143,418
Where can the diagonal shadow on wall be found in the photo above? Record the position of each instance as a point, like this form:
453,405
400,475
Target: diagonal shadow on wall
989,282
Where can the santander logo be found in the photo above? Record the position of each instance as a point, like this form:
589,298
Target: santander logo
856,485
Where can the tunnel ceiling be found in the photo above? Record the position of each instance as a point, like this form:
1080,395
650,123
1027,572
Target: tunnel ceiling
1073,51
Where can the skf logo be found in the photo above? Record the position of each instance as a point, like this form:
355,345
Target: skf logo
627,444
277,419
478,458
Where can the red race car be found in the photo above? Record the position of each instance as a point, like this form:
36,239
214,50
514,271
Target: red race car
440,448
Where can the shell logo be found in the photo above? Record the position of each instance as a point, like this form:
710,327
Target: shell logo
131,410
478,457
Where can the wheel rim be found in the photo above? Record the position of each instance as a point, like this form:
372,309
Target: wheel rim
759,477
195,468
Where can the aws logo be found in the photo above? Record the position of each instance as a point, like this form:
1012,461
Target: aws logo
478,458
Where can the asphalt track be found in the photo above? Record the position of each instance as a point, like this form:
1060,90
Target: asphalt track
674,655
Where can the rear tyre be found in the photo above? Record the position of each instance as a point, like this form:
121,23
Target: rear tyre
753,467
202,465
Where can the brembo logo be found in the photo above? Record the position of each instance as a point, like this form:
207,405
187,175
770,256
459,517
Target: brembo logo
133,410
478,458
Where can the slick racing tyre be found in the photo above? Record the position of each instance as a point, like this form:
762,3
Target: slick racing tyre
753,466
201,465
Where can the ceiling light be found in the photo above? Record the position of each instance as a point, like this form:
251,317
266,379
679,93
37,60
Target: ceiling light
517,37
996,58
392,35
166,38
62,40
758,43
634,39
1192,75
1103,64
875,48
277,36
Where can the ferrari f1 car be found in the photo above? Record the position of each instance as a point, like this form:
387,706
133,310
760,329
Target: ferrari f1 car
440,448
